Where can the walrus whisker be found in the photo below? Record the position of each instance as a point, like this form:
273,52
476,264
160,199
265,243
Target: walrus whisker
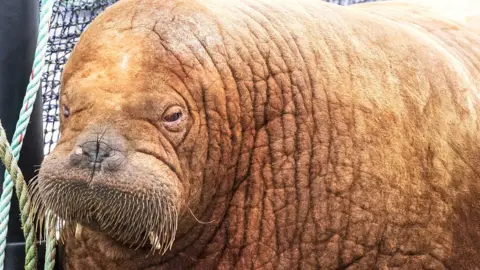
63,211
123,211
39,223
34,178
163,227
37,208
32,190
198,220
47,221
165,239
109,221
103,217
127,218
129,224
134,218
174,222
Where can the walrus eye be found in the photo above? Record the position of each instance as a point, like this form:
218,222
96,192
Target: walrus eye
66,111
173,117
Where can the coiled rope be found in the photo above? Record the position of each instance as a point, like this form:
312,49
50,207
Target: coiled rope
10,157
50,250
12,168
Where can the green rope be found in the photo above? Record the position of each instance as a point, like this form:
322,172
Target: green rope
21,189
10,155
51,242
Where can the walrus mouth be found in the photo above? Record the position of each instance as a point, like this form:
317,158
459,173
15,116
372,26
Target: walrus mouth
155,240
131,219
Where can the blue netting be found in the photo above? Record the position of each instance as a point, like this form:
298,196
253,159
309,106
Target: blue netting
69,19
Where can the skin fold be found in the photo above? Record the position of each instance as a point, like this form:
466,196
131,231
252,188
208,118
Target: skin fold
271,135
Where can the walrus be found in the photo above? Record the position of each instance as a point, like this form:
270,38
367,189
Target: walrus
251,134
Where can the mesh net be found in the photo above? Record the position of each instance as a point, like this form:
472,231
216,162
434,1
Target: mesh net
69,19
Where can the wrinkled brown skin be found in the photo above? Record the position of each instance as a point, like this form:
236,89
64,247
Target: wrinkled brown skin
320,136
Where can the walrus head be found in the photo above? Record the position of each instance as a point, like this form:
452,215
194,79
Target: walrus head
139,149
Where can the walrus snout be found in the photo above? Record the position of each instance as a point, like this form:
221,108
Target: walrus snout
105,153
104,179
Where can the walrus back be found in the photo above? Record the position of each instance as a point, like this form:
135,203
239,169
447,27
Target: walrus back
375,110
371,113
454,25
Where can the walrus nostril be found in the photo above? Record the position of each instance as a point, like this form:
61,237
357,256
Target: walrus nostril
95,155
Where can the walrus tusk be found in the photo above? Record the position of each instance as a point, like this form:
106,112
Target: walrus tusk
154,240
78,231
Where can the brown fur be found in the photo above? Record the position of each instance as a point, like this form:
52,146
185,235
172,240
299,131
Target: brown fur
318,136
